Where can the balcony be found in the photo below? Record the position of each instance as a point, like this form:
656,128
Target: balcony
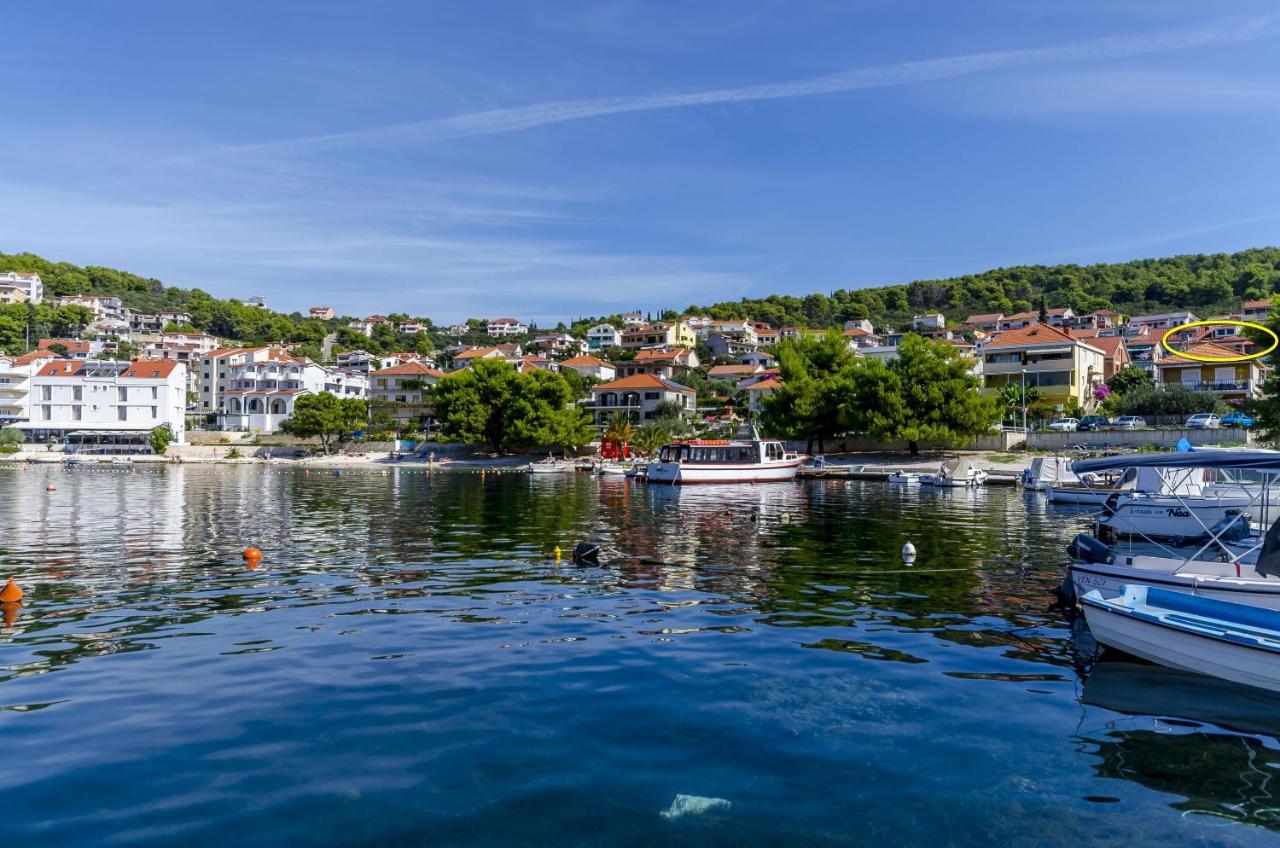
1228,386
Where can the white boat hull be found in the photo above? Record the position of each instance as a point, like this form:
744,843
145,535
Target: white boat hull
1109,579
1172,647
1076,496
1164,516
681,473
971,481
905,477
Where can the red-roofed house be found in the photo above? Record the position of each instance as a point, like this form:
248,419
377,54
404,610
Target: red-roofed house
401,391
76,348
637,397
761,389
1256,310
988,321
1063,368
1229,380
669,363
591,366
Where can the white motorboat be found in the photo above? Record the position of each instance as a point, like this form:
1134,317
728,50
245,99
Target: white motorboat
613,468
725,461
907,478
550,465
954,475
1223,639
1227,560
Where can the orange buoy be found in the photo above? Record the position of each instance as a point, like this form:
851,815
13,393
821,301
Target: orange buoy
252,554
11,593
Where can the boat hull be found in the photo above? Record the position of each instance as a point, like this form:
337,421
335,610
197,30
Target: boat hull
1175,648
1165,516
1076,496
1109,579
678,473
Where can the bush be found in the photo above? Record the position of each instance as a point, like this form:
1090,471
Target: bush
1171,400
10,448
234,453
11,437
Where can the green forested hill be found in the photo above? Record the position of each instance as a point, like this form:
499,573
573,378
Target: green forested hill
1206,284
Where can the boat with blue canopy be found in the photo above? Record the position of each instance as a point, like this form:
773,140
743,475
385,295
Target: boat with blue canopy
1224,554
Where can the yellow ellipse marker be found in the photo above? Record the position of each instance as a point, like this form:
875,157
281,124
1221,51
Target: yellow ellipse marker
1213,322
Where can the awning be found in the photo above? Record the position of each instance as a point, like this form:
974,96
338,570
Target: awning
1240,459
102,428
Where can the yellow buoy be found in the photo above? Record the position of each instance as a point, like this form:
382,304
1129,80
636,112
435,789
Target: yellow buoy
558,553
11,593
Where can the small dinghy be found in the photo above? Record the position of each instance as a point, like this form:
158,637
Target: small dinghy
1224,639
905,478
955,475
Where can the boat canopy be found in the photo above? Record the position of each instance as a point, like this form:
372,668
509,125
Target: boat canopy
1226,458
1054,470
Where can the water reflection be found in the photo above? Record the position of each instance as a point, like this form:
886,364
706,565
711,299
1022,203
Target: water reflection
410,659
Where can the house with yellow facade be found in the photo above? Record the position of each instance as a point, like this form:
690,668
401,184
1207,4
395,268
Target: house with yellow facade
1229,380
1062,368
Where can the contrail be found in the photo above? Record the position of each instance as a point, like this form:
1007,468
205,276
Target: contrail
496,121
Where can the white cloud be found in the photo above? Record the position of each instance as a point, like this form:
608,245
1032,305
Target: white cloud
496,121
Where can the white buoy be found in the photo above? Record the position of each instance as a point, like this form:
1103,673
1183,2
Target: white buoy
908,552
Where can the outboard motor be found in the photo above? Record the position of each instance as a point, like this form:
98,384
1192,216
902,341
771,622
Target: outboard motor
1232,527
1086,548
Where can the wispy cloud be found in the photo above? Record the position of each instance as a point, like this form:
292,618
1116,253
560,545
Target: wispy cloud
494,121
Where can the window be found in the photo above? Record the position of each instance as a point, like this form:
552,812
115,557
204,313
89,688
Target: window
155,392
77,393
122,413
652,395
75,413
47,393
122,394
153,412
46,412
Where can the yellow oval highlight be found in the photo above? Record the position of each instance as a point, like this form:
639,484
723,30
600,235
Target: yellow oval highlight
1212,322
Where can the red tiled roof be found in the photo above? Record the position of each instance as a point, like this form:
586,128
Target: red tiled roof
1110,345
1207,349
985,318
770,383
640,381
1256,304
72,345
1034,334
149,369
653,355
587,360
409,369
732,370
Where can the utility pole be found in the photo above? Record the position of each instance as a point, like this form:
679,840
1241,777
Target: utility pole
1024,400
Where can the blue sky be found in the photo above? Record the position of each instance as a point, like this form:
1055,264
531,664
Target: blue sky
549,159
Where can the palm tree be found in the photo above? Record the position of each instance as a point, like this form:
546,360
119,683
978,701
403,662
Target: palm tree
651,437
620,429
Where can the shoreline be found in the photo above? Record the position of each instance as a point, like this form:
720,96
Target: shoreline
874,463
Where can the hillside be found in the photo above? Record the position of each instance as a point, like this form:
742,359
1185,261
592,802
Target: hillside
1206,284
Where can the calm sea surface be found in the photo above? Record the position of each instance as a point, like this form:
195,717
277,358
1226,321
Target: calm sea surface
410,666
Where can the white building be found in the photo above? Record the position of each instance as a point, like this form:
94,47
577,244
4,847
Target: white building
603,336
591,366
1161,321
356,360
507,327
15,383
257,301
261,394
929,321
632,318
321,313
103,308
29,283
95,400
637,397
155,322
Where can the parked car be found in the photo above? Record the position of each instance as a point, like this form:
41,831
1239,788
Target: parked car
1065,425
1237,419
1129,422
1203,421
1094,422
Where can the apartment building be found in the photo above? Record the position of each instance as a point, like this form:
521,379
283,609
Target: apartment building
1232,381
1063,368
29,283
402,391
91,400
261,393
603,336
15,383
499,327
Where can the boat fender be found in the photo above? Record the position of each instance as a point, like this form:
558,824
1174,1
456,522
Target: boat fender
586,553
1088,549
1110,505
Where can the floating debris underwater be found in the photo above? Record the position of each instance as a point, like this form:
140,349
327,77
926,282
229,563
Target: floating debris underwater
693,805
